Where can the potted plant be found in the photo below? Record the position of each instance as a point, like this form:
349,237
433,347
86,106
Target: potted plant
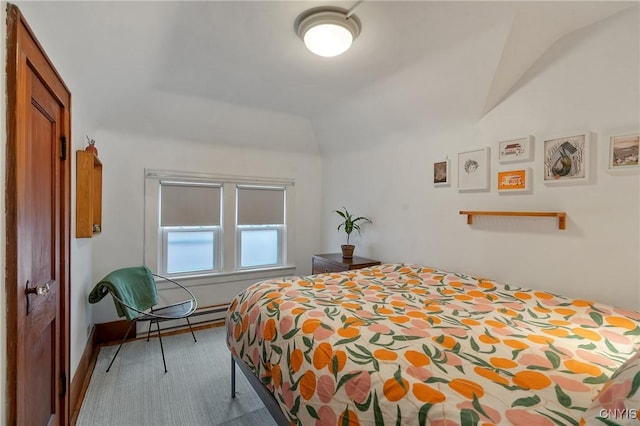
349,223
91,147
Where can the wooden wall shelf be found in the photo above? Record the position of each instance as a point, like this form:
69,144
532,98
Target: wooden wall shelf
88,195
562,216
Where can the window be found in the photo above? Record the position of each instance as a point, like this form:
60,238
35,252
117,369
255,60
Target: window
199,225
260,226
189,250
190,228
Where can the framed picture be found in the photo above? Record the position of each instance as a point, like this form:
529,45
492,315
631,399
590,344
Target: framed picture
516,150
514,180
474,167
566,159
441,174
623,152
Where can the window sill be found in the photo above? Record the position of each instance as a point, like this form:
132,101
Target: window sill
229,277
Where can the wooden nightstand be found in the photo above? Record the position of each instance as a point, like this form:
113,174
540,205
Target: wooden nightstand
334,262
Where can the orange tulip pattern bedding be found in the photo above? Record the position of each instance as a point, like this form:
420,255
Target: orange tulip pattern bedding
405,344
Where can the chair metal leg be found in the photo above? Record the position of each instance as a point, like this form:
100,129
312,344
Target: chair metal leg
161,347
192,333
149,332
121,343
233,378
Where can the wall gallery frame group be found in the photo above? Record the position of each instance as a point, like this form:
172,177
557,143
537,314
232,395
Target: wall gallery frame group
566,160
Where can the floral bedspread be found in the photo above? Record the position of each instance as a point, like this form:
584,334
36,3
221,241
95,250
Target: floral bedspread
406,344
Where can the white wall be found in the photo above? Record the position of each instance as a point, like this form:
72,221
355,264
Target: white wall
588,81
125,157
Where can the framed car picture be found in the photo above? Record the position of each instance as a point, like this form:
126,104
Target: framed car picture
516,150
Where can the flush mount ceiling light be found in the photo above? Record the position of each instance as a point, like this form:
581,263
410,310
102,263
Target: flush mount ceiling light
327,31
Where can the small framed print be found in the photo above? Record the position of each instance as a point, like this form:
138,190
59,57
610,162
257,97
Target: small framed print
514,180
515,150
441,173
567,159
474,167
623,152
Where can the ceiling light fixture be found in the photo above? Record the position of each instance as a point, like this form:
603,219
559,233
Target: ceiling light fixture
328,31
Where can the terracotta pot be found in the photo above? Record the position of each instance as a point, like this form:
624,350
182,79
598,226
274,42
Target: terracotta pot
347,251
92,149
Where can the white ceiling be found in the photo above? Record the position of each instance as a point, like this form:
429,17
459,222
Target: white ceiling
234,72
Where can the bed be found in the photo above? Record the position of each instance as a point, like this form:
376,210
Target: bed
409,344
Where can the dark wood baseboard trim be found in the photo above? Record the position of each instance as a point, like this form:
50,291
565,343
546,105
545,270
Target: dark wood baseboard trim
107,332
81,378
114,331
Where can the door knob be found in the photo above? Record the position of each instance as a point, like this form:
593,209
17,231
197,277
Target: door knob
39,290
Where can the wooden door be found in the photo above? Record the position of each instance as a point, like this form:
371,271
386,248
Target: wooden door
38,227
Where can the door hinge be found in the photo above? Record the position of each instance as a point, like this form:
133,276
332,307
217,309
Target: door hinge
63,384
63,148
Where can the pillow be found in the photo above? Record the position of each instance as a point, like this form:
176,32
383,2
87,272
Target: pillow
618,403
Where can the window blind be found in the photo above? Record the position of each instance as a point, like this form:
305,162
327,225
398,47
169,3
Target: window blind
183,204
260,206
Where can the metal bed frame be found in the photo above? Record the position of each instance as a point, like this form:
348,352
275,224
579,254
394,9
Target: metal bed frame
267,397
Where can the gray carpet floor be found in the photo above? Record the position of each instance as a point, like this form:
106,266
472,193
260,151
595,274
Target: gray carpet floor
195,391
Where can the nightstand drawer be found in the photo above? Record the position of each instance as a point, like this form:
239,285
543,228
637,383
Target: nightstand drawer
320,267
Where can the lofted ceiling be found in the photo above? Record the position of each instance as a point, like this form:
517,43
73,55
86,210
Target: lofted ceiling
235,72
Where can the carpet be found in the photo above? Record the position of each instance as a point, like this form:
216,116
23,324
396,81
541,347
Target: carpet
195,391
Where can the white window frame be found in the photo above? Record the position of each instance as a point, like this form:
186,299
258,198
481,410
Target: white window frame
281,228
229,252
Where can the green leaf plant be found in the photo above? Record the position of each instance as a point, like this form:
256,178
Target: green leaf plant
349,223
